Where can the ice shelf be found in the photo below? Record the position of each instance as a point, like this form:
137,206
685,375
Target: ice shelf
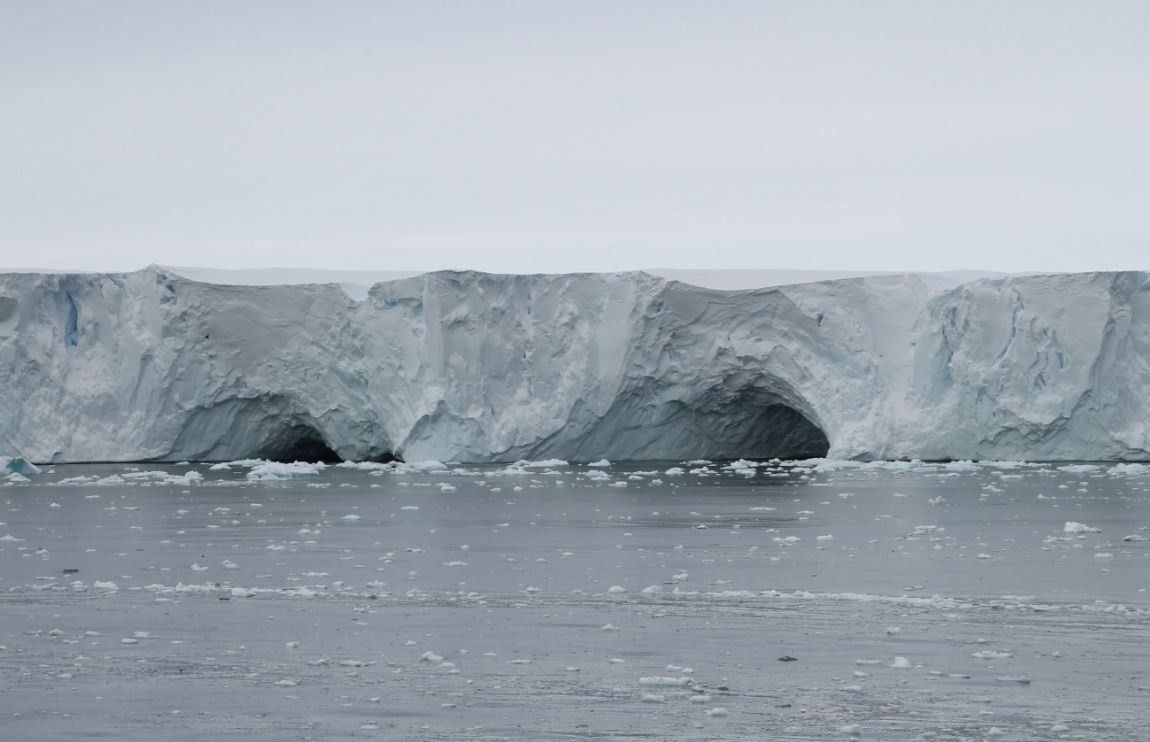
467,366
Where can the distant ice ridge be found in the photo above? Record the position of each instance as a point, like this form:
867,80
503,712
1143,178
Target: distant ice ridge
461,366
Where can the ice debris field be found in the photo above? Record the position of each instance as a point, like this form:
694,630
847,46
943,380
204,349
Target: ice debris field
547,600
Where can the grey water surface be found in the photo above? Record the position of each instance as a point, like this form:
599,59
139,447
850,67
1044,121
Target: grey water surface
567,602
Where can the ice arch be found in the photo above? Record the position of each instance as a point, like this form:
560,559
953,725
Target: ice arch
737,417
267,427
752,422
299,442
772,429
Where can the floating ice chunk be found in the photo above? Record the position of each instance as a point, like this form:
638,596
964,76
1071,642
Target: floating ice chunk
241,463
273,470
1130,470
901,663
163,477
18,465
717,711
600,462
351,517
419,467
369,466
662,680
543,464
1072,527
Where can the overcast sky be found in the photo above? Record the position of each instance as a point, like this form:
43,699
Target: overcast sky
555,136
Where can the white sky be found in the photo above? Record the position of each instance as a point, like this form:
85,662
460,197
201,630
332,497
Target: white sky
584,135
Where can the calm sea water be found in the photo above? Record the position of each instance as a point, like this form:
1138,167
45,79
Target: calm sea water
570,602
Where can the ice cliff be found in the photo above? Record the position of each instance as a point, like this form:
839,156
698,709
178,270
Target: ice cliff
476,367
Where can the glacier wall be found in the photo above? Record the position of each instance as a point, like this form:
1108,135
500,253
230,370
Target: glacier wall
477,367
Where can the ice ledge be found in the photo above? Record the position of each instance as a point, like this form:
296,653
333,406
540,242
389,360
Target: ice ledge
153,365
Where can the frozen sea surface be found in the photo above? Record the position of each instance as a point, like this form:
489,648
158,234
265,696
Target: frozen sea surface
661,601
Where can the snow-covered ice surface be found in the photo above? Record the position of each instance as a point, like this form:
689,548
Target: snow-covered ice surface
539,602
467,366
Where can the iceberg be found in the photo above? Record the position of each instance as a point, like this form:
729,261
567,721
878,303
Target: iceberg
465,366
17,466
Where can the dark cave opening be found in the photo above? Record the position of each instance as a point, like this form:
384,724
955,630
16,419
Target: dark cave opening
783,432
274,428
299,443
750,422
756,423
